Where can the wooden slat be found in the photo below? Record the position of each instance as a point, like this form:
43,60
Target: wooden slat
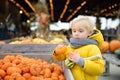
45,48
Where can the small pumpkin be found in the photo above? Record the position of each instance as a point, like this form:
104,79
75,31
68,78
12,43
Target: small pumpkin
61,77
114,45
1,63
36,78
5,66
7,77
105,47
27,76
54,76
35,69
24,67
16,76
12,70
61,50
48,79
47,73
2,73
26,41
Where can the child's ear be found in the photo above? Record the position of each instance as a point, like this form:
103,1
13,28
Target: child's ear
89,34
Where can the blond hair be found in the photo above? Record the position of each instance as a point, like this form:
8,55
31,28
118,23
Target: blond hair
89,23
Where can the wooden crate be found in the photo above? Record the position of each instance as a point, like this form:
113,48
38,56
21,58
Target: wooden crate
27,48
46,57
42,51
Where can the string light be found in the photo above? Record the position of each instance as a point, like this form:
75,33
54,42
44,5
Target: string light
18,5
51,7
109,8
64,10
30,5
106,9
76,10
20,11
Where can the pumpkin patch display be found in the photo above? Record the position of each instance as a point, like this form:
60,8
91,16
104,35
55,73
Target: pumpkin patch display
26,41
36,41
114,45
105,47
29,69
39,41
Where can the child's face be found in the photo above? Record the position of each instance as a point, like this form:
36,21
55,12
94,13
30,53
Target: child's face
79,31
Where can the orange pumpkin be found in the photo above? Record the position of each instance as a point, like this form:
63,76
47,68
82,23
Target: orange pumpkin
16,61
37,78
35,69
61,50
48,79
5,66
12,70
8,58
114,44
24,67
47,73
105,47
7,77
2,73
16,76
54,76
2,42
1,63
61,77
26,41
27,76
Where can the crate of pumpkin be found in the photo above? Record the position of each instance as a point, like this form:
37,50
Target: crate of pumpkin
31,66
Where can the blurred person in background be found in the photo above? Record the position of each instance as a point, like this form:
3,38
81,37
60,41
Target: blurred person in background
118,32
12,29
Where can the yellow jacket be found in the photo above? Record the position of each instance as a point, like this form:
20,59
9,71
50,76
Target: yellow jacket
91,69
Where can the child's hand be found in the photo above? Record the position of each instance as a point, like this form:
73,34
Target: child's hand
60,49
74,57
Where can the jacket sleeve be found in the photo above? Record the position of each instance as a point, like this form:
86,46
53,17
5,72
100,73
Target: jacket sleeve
95,67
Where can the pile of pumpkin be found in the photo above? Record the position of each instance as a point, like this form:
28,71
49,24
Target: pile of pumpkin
111,46
24,68
38,41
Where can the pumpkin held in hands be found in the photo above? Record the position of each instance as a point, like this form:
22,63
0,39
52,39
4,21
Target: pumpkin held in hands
61,50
